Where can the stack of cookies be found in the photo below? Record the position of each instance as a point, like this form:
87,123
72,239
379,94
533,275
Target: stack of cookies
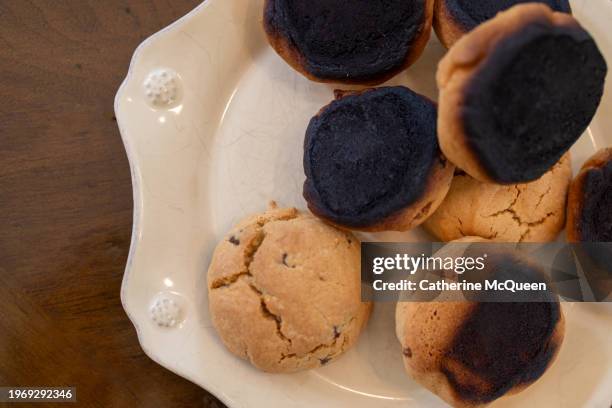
517,88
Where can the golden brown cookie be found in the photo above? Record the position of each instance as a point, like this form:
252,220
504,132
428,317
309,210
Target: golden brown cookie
531,212
471,353
372,160
589,207
454,18
284,291
353,42
517,92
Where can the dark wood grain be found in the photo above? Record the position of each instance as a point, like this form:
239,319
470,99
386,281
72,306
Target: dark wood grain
66,202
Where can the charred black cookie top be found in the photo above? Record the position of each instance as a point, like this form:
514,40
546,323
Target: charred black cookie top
369,155
469,13
531,99
502,345
595,224
347,39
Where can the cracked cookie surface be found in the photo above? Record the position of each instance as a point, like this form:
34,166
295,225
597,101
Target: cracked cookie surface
284,291
530,212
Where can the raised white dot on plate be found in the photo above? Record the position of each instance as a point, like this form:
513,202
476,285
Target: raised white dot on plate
166,310
162,88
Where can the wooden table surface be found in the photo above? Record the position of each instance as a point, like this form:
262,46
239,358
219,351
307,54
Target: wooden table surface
66,202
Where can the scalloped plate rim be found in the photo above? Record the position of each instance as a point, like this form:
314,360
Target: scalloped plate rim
137,203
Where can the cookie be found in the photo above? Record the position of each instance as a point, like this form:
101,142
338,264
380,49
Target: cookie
589,208
531,212
372,160
284,291
355,42
454,18
517,92
472,353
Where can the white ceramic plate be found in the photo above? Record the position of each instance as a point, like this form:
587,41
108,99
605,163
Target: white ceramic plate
225,138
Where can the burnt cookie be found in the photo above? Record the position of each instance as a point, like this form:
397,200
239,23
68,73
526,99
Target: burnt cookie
517,92
471,353
454,18
530,212
372,160
284,291
355,42
589,209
